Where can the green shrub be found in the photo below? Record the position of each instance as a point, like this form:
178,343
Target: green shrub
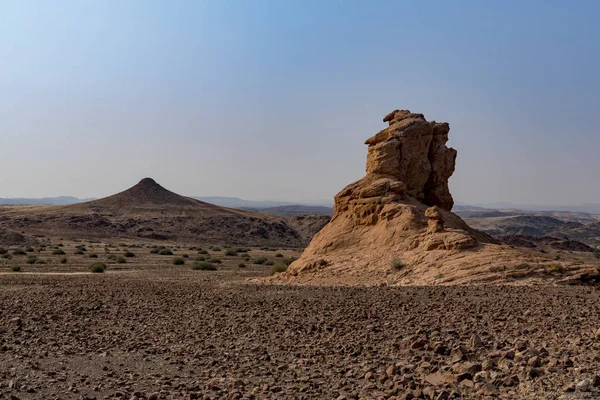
165,252
111,257
129,254
214,261
558,268
215,248
19,252
58,252
278,255
154,251
16,268
29,250
98,268
398,264
260,261
178,261
203,252
185,256
241,265
81,248
63,260
277,268
231,253
7,256
93,255
31,259
121,260
3,250
204,266
269,262
242,250
78,252
200,258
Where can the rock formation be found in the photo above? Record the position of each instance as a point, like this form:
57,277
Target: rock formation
401,210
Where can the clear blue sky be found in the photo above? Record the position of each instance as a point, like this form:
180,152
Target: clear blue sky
274,99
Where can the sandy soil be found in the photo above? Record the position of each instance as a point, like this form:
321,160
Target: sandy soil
163,331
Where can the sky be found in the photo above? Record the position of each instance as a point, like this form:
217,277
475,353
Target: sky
274,99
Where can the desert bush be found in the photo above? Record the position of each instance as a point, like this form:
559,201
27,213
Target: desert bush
231,253
288,261
558,268
185,256
15,268
3,250
98,268
7,256
214,260
200,258
58,252
29,250
129,254
202,252
398,264
121,260
597,254
31,259
178,261
154,250
111,257
19,252
165,252
242,250
215,248
279,255
260,261
63,260
277,268
269,262
204,266
322,262
241,265
40,262
93,255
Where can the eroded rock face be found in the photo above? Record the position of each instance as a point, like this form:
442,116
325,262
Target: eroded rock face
400,209
413,151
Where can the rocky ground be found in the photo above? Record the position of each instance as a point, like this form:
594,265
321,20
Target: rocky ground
149,329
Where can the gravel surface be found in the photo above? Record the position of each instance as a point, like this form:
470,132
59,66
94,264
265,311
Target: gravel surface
174,333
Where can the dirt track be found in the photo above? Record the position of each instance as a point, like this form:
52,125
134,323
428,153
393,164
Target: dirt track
174,333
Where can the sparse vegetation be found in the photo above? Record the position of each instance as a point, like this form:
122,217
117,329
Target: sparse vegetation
165,252
200,258
214,260
322,262
398,264
98,268
260,261
58,252
78,252
121,260
204,266
203,252
129,254
31,259
558,268
278,255
19,252
178,261
269,262
241,265
16,268
597,254
185,256
231,253
29,250
3,250
278,268
63,260
93,255
7,256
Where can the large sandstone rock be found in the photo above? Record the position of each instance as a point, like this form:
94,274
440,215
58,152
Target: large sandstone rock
395,225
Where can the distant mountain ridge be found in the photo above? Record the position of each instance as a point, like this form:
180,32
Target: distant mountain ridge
53,201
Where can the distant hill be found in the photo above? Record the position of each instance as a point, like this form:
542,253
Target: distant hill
61,200
236,202
149,211
294,210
